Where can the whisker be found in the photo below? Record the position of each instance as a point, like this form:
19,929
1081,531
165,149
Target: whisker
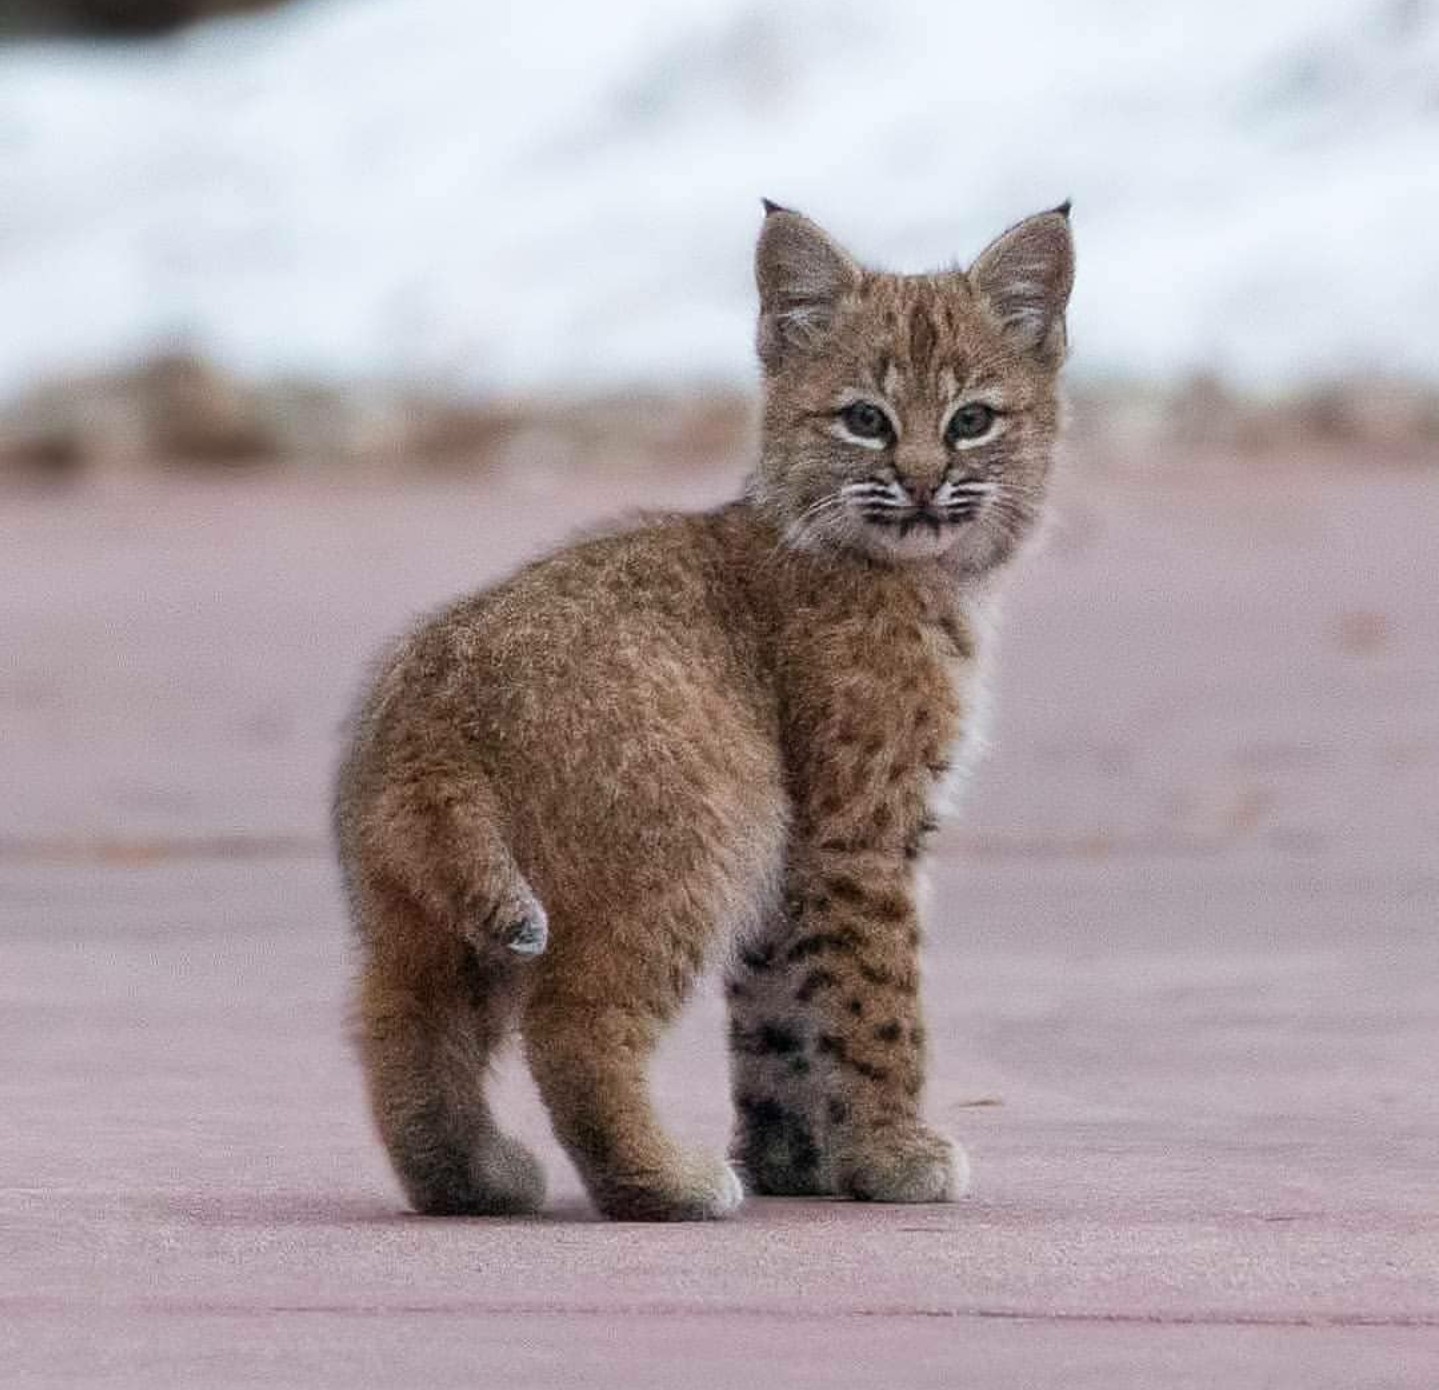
810,524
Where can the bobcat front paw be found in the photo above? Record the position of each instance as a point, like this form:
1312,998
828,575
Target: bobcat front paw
777,1152
904,1165
701,1188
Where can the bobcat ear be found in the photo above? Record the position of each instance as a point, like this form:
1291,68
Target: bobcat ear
802,276
1026,275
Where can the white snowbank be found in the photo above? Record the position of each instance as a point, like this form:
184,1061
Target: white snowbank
564,194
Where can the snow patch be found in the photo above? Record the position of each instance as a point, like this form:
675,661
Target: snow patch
564,196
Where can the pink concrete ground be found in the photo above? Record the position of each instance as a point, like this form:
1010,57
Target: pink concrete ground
1184,974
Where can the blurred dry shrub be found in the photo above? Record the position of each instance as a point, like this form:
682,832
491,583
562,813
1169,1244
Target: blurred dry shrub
194,412
1141,427
183,411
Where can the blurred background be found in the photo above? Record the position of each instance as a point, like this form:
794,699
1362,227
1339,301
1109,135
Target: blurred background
316,314
392,231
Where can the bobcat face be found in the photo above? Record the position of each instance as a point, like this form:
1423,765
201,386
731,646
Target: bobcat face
910,416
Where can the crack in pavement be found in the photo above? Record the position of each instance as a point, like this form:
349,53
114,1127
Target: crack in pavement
30,1304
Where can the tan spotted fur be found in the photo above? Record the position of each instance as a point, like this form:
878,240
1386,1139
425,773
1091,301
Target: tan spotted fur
710,740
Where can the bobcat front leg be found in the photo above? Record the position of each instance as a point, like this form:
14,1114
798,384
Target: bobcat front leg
877,713
827,1041
856,939
778,1092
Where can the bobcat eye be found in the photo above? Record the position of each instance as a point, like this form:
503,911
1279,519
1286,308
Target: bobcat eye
865,420
972,421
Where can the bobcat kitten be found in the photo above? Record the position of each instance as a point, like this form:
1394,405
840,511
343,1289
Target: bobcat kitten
709,736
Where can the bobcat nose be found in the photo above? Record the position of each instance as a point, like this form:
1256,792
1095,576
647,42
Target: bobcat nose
920,493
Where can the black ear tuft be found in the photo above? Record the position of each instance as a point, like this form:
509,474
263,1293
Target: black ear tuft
1064,208
770,206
